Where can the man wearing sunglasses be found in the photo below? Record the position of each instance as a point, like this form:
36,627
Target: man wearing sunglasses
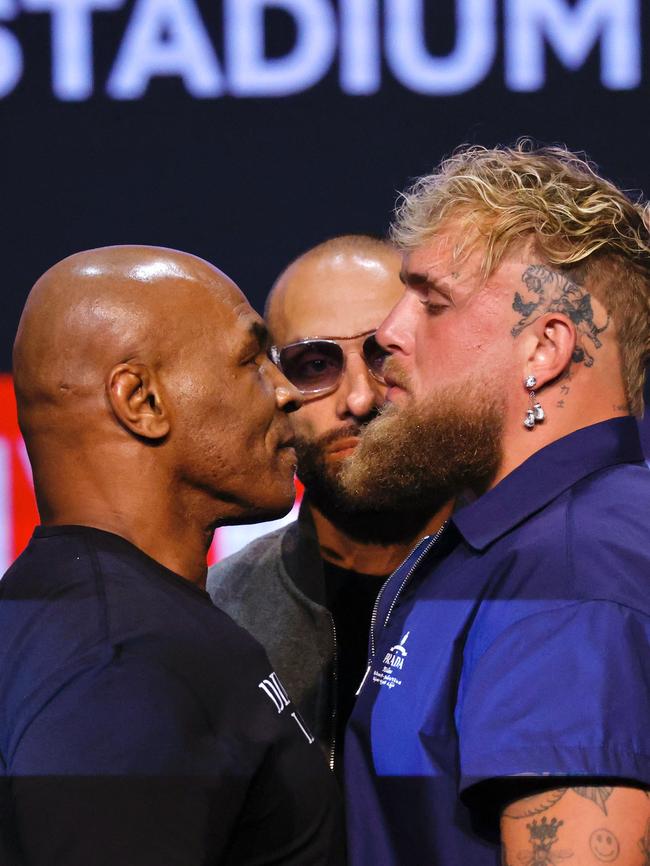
307,591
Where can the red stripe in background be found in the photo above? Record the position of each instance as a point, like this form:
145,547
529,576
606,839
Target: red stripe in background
18,514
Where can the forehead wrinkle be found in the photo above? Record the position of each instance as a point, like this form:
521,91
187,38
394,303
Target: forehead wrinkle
464,270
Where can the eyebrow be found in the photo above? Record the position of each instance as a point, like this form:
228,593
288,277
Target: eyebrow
258,336
417,280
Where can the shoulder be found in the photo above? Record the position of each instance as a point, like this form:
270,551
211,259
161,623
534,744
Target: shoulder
49,603
88,604
608,534
618,496
591,541
614,499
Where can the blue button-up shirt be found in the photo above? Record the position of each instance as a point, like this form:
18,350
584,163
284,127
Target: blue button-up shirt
515,644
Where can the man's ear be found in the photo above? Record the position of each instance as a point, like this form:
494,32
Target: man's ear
551,342
135,398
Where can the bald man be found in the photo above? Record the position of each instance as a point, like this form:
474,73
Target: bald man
307,591
139,726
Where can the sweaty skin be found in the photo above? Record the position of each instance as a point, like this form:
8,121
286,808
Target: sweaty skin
141,379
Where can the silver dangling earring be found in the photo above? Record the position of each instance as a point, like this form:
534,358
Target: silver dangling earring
535,413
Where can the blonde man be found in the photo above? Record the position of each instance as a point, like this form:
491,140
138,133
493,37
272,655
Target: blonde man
507,686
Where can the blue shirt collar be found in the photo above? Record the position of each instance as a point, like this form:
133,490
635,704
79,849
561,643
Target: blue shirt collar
545,475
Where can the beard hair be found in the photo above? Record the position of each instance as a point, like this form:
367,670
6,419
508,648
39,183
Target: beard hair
427,453
352,514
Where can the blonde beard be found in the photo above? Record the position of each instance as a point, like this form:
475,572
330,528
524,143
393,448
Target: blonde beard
426,452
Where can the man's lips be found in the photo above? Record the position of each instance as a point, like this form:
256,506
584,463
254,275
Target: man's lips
287,448
394,392
395,388
348,443
394,383
286,442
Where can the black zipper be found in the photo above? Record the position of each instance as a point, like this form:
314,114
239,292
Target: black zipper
335,689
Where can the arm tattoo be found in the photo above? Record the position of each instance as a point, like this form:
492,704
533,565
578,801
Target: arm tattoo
530,806
543,836
554,292
604,845
599,794
644,845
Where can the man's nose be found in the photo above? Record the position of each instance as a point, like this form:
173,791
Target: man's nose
359,392
395,334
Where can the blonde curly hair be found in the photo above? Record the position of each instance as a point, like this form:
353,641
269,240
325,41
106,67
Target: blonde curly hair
501,196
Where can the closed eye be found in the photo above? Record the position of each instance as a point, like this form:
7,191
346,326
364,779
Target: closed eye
432,308
256,358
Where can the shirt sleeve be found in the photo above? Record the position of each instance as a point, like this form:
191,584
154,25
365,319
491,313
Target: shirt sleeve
124,765
560,693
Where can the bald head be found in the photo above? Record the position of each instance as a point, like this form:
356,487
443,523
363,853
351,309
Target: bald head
101,355
141,380
342,279
97,308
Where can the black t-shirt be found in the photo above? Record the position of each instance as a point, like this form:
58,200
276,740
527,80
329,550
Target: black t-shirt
350,597
139,726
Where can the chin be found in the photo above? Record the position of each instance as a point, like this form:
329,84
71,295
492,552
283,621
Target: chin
264,513
274,501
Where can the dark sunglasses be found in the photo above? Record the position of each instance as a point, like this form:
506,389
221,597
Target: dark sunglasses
316,366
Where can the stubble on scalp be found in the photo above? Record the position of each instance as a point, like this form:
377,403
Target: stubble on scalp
427,453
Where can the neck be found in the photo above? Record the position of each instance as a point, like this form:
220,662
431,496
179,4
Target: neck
339,548
181,550
146,514
566,411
